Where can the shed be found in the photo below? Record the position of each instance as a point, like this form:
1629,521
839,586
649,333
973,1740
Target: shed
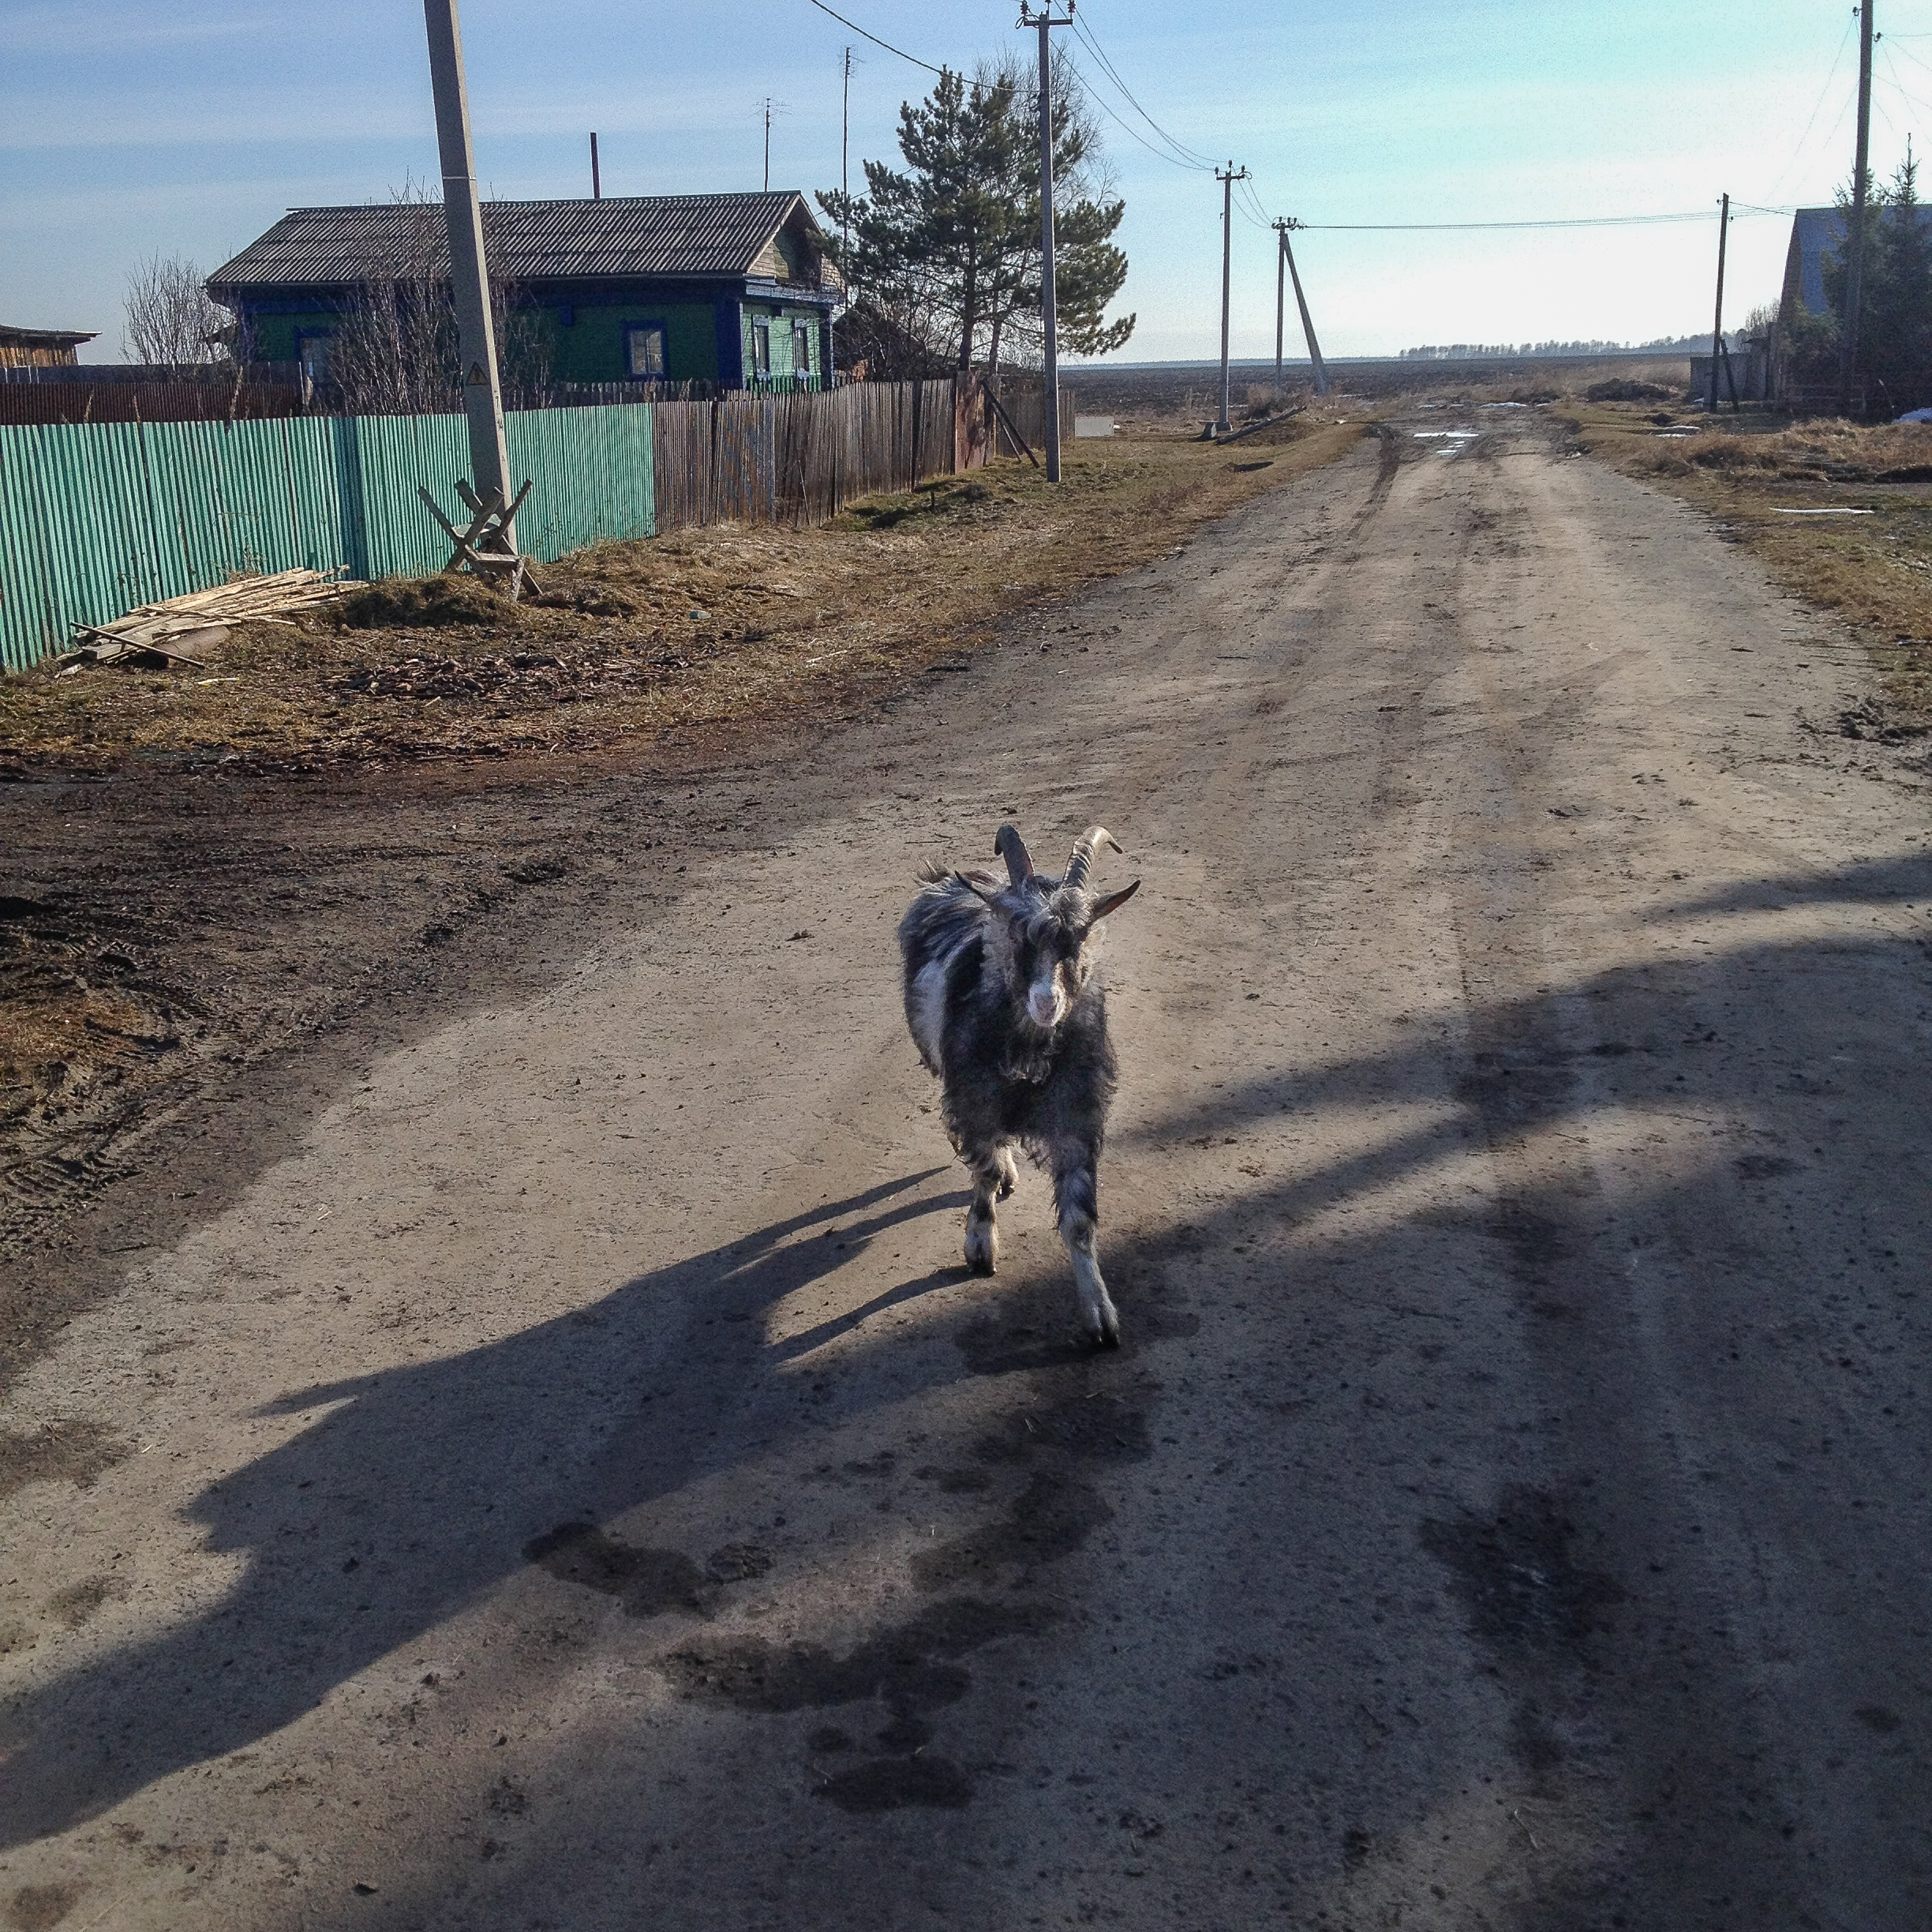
736,290
26,348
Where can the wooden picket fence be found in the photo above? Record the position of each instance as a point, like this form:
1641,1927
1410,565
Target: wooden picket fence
798,460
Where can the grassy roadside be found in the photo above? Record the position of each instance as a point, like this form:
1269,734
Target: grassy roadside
702,627
1874,569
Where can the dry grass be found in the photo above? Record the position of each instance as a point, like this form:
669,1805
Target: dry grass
1873,570
700,627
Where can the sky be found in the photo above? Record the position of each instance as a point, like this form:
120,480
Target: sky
128,130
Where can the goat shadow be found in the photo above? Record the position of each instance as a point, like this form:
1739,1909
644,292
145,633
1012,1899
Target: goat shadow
418,1488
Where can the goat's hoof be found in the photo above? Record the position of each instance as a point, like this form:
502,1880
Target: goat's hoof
1106,1333
982,1249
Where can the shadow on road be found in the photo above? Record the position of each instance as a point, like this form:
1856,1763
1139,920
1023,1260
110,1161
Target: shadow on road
1718,1293
421,1487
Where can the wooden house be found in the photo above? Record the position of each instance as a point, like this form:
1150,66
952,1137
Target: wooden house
26,348
735,290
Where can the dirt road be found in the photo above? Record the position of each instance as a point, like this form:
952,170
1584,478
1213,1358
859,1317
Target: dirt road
569,1481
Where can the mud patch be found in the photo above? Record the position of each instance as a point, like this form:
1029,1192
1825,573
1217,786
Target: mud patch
913,1669
898,1784
1050,1518
1526,1596
39,1908
646,1581
79,1601
910,1667
75,1452
737,1563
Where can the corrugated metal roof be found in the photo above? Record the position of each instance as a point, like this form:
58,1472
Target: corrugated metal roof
719,234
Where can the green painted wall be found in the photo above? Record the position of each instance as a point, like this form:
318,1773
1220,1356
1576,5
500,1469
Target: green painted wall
275,335
781,317
96,518
591,349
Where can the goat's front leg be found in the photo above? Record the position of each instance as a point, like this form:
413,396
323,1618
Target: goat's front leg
991,1167
1076,1201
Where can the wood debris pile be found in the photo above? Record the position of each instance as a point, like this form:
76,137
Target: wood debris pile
172,630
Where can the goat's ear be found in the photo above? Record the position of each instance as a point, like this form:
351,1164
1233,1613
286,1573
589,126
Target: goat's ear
1114,902
979,884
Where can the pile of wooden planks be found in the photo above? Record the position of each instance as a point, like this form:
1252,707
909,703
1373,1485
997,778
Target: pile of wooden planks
171,631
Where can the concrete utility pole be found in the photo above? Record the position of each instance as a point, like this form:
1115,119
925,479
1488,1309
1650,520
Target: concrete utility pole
462,213
1855,268
597,180
1282,228
1717,347
1051,432
1222,426
1281,301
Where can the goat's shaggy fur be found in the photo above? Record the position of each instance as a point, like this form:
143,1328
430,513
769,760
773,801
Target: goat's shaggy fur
1006,1009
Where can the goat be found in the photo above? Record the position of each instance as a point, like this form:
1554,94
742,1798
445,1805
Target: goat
1005,1008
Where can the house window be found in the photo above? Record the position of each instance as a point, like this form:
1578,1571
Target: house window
311,351
801,348
760,346
644,351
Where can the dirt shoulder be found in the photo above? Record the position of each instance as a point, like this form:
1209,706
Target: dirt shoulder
628,640
203,873
1837,511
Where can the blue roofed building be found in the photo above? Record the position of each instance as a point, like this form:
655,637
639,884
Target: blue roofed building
1817,233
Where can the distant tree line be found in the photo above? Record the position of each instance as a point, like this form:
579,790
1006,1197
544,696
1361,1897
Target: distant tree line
941,259
1894,359
1461,352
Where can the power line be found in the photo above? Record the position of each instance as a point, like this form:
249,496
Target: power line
1126,127
1904,93
1844,40
1580,221
876,41
1183,156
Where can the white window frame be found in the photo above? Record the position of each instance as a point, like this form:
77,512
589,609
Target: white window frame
637,333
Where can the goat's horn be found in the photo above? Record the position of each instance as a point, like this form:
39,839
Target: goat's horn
1085,847
1011,847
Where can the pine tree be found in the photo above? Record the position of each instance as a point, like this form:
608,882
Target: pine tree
946,254
1895,304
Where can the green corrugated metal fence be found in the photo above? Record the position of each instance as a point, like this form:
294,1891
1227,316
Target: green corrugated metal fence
96,518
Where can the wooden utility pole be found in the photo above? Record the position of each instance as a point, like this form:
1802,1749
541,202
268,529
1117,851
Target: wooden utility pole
1308,326
596,179
1045,22
1222,426
1855,268
493,533
1717,347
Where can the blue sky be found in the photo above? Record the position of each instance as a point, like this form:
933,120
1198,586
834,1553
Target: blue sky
127,129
